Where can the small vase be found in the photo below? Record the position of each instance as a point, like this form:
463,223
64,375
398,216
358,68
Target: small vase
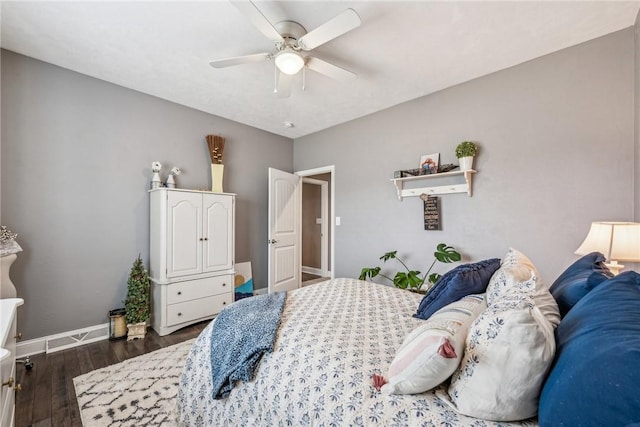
155,180
466,163
7,288
171,183
217,171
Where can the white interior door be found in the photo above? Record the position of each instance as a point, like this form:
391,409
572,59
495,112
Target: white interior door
284,231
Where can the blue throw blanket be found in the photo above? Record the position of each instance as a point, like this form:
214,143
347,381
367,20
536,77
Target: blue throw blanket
241,334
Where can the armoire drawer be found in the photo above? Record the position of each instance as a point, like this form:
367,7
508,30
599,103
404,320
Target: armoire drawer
199,288
196,309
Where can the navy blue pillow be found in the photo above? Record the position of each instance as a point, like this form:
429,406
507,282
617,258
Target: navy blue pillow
465,279
596,372
572,285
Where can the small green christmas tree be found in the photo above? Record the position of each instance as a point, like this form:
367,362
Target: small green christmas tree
137,303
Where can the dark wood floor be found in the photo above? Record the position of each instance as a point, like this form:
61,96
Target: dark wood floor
48,397
310,279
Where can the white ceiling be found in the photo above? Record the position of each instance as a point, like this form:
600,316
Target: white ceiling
402,50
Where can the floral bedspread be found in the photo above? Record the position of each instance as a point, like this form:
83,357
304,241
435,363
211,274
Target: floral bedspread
333,337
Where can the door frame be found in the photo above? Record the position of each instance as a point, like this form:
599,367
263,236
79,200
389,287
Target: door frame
331,170
324,217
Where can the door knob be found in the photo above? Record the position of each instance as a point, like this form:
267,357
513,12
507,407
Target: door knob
272,241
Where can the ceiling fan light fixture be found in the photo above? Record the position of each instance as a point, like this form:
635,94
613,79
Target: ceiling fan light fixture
289,61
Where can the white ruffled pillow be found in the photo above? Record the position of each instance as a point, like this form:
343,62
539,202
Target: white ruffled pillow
515,269
508,351
432,351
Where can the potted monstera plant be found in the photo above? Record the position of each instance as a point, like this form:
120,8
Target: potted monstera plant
413,280
465,152
138,302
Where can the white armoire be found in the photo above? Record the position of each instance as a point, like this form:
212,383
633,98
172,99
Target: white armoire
191,256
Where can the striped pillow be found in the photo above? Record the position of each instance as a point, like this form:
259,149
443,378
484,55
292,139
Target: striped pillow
432,351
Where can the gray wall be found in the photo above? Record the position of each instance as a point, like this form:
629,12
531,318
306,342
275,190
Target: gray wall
636,75
556,138
76,156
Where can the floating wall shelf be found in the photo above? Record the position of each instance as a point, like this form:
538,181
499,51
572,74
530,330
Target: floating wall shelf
434,190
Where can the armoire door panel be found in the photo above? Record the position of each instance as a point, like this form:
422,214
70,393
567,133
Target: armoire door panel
218,231
184,235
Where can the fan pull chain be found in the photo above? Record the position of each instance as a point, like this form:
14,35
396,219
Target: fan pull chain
304,77
275,78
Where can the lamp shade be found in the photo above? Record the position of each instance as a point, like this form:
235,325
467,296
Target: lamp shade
619,241
289,61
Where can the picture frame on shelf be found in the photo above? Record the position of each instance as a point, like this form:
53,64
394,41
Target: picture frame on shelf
429,163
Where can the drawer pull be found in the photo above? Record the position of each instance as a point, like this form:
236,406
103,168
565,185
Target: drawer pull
201,239
224,284
224,303
206,238
179,292
18,336
9,382
179,314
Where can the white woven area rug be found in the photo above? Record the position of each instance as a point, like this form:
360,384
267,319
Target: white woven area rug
137,392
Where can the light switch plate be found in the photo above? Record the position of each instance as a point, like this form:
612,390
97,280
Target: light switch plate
337,220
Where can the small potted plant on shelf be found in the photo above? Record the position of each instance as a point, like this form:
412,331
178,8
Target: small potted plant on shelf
465,152
411,279
138,302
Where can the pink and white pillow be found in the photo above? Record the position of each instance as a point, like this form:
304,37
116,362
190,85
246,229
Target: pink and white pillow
432,351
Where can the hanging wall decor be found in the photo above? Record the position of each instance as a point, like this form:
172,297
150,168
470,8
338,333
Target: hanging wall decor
431,212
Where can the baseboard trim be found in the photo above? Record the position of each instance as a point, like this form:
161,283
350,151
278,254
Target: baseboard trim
312,270
40,345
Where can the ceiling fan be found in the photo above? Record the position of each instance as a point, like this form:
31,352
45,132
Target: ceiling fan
290,39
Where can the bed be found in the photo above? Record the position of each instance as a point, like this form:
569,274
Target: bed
332,338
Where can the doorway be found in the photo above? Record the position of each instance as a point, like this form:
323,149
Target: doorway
317,224
315,233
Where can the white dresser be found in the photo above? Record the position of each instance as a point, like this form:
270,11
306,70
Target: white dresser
8,332
192,236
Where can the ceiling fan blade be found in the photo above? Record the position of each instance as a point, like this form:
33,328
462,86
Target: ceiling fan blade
258,20
342,23
283,88
238,60
330,70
